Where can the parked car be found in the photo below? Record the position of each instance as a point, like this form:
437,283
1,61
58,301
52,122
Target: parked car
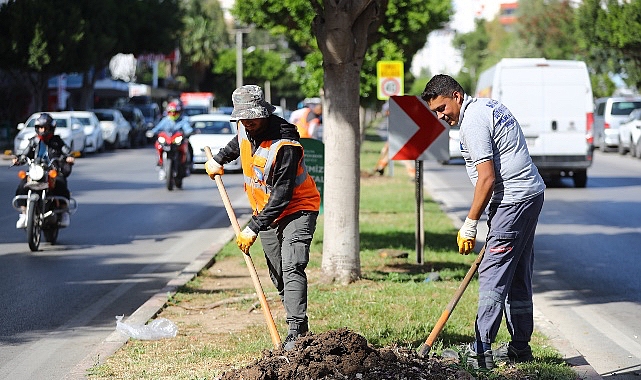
93,132
214,131
138,125
68,127
152,115
630,134
608,115
115,128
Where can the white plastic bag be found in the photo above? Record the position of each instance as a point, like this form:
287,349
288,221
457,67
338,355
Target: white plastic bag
157,329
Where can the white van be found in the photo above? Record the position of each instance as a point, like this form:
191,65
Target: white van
552,100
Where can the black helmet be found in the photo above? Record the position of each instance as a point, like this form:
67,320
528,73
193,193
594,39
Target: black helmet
45,120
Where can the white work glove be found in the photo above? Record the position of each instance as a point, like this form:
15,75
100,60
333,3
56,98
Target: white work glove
466,237
213,168
246,239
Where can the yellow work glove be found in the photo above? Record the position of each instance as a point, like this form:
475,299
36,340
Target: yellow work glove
466,237
246,239
213,168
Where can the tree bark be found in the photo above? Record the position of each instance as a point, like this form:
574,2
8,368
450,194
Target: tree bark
341,241
343,29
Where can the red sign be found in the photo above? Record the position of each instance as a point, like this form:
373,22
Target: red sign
412,128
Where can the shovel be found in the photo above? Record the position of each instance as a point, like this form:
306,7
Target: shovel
248,260
427,346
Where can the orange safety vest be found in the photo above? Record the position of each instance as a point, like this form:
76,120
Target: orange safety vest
303,125
257,169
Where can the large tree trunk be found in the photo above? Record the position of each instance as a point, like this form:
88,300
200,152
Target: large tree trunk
341,243
342,29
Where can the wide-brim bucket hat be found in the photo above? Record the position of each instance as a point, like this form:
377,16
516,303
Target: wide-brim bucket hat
249,103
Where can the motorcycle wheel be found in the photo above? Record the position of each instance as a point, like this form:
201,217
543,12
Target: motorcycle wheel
51,234
169,172
34,224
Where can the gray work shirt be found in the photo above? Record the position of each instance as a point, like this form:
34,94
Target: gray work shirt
489,131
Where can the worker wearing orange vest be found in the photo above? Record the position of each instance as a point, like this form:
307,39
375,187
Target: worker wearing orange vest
282,195
309,119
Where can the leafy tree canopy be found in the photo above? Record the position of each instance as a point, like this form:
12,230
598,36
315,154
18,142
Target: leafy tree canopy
402,33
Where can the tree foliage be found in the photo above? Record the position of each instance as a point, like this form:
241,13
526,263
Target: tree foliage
402,32
42,38
203,36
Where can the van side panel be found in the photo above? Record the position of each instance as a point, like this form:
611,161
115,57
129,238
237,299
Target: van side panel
551,100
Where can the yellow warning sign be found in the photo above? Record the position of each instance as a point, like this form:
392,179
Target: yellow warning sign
389,78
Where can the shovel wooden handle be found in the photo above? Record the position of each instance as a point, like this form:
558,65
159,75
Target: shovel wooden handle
273,331
427,346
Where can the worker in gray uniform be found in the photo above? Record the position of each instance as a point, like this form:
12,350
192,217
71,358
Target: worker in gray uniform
509,186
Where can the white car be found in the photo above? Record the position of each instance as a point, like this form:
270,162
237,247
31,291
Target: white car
115,128
630,134
68,128
214,131
93,132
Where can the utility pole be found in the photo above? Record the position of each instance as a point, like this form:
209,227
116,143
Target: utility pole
239,54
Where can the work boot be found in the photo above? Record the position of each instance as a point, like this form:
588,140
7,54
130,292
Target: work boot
519,356
22,221
476,360
508,353
295,331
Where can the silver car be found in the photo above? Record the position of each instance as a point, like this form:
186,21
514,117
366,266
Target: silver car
115,128
93,132
68,127
608,115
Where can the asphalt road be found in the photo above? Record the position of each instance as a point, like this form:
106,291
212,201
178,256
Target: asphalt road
129,237
587,279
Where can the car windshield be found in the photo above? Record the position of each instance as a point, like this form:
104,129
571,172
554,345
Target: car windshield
104,116
624,108
60,123
191,111
213,127
85,120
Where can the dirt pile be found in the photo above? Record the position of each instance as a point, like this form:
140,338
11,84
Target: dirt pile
342,354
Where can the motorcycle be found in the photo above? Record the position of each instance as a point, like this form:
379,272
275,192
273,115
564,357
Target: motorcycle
43,209
176,158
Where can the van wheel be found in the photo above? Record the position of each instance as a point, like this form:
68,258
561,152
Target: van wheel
580,178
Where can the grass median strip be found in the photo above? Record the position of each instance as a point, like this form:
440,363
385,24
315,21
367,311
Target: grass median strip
396,302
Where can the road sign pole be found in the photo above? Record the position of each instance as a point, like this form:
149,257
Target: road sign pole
420,235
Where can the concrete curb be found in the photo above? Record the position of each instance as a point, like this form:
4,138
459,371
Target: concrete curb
154,305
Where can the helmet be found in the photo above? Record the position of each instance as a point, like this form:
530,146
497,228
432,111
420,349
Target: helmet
45,120
174,109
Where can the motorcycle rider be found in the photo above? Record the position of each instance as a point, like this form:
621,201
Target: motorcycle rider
174,121
45,144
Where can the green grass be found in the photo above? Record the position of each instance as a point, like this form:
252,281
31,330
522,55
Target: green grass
391,304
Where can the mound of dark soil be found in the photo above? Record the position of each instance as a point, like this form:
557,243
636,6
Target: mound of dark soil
342,354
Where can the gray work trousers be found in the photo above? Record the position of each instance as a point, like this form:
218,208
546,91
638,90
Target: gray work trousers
286,244
505,273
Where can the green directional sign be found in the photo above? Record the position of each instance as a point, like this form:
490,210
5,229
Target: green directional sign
315,163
